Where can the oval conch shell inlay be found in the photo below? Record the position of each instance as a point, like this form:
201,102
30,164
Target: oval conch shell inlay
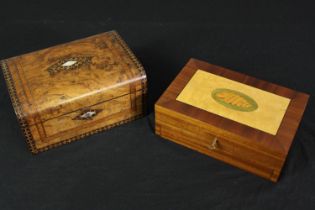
234,100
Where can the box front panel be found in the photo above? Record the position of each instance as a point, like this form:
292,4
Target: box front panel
87,121
194,137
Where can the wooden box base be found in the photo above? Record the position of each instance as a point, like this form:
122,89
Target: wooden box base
223,127
184,131
63,93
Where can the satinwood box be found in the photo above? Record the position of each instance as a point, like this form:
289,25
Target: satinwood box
232,117
72,90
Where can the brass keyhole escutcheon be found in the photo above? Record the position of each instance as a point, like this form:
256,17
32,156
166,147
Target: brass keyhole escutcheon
214,144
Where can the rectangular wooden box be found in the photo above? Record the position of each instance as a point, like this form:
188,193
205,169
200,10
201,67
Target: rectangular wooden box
235,118
72,90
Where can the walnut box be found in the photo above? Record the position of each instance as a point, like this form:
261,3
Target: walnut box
232,117
72,90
